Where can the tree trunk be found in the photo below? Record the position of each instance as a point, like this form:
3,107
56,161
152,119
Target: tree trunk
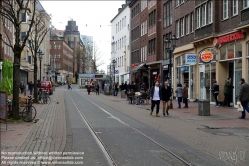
35,80
16,84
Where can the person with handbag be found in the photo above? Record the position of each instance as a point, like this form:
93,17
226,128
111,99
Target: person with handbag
155,94
244,97
166,97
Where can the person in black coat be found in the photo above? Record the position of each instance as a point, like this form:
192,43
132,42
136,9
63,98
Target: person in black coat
125,87
155,96
97,89
166,97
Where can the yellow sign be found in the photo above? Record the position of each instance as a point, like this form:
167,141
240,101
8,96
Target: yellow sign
206,56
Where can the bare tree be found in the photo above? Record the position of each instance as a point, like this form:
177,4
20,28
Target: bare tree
97,55
38,34
13,10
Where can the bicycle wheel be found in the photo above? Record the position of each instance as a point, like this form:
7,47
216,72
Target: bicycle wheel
48,100
29,114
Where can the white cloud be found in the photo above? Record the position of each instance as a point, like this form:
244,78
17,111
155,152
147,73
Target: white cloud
91,13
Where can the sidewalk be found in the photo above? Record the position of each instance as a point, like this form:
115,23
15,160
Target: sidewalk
47,135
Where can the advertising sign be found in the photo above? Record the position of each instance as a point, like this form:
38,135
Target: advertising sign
190,59
206,56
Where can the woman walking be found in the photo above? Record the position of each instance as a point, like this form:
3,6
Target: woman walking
179,94
155,94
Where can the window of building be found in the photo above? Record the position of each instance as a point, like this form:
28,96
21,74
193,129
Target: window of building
192,22
59,46
245,4
152,18
143,4
235,7
23,35
152,46
230,51
125,21
177,3
167,14
182,26
58,55
177,29
225,9
125,41
187,24
24,17
135,33
198,17
210,11
203,8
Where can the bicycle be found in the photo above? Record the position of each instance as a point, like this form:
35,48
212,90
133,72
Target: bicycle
29,112
44,97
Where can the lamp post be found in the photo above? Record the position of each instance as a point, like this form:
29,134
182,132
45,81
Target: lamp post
40,58
113,64
170,44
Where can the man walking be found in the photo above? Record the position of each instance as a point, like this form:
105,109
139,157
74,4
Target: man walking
166,97
228,89
31,87
244,97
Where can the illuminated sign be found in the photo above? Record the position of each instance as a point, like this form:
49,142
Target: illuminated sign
231,37
190,59
206,56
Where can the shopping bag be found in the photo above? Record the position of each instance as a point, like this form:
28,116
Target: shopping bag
240,108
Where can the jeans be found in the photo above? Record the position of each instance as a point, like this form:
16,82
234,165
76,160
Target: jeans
245,108
138,100
153,103
216,98
31,91
179,99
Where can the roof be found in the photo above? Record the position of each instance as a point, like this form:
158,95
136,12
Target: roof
121,9
39,7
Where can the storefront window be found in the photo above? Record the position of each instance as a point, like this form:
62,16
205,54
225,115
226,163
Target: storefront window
238,49
230,51
178,61
223,53
238,76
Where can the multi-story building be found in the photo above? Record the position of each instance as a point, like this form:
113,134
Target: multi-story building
120,31
61,60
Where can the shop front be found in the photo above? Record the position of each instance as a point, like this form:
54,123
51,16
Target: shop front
155,70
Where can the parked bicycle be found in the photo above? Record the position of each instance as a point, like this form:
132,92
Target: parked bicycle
29,112
44,96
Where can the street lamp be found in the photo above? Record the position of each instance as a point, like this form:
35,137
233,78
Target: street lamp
113,64
40,58
170,44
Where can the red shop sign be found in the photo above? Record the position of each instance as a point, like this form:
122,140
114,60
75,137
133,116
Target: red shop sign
231,37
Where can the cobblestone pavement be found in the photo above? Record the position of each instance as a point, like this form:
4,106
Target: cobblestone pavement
222,134
47,135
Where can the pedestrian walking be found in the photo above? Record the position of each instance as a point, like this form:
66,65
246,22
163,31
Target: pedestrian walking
166,97
97,89
31,87
244,97
228,90
69,86
179,94
155,94
131,95
22,87
88,88
215,90
125,87
185,95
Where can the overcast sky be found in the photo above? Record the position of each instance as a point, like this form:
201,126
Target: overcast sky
92,17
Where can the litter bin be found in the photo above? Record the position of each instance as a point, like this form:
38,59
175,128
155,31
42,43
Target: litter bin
122,94
204,107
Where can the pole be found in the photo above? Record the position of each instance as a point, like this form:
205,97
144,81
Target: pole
170,79
40,69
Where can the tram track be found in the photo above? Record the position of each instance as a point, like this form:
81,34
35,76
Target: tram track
102,146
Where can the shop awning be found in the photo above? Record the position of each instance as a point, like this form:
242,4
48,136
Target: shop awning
155,62
137,68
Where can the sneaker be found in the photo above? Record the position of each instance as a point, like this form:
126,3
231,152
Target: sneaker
151,112
167,112
157,115
163,114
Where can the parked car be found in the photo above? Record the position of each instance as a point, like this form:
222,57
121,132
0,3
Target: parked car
46,85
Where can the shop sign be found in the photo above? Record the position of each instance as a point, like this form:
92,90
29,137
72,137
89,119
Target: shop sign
231,37
206,56
184,68
230,55
190,59
154,73
134,65
166,67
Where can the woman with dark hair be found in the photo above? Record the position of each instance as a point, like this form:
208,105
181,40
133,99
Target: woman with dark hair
155,93
179,94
